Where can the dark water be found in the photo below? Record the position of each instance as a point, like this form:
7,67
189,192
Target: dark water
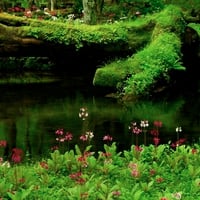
30,115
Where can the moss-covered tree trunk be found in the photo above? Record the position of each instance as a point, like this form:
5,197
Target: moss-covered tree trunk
90,11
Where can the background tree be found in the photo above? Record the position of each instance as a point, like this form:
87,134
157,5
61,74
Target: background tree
89,11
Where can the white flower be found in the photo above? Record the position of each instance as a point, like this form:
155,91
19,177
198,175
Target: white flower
178,129
177,195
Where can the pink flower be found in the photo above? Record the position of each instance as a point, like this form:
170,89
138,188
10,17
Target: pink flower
68,136
154,132
156,141
16,155
136,130
3,143
116,193
75,175
59,132
178,143
83,137
138,148
135,173
157,124
107,138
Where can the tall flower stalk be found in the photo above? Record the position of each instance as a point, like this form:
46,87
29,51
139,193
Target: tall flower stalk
135,131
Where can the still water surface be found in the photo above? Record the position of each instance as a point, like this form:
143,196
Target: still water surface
31,114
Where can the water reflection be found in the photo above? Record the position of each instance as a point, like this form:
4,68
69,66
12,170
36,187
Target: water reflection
31,114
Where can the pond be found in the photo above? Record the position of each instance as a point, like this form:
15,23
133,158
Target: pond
30,115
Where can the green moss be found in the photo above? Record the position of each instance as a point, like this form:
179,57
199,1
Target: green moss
196,27
151,65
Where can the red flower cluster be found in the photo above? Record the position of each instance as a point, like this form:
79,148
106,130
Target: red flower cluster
44,164
178,142
16,155
77,176
63,136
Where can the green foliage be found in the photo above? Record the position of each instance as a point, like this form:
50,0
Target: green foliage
150,67
169,20
20,194
155,62
196,27
185,5
152,175
76,34
14,64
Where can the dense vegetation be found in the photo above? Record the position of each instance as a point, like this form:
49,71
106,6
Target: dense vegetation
141,173
152,31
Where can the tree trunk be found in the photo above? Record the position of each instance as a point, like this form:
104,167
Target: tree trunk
99,4
89,11
52,5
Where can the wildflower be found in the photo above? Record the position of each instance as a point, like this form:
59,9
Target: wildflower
136,130
68,136
152,172
44,165
178,143
59,132
138,148
107,138
83,138
154,132
133,165
83,114
83,161
133,124
16,155
54,148
133,127
3,143
135,173
89,135
156,141
134,170
144,123
22,180
80,181
159,180
106,154
75,175
177,195
194,151
116,193
157,124
178,129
